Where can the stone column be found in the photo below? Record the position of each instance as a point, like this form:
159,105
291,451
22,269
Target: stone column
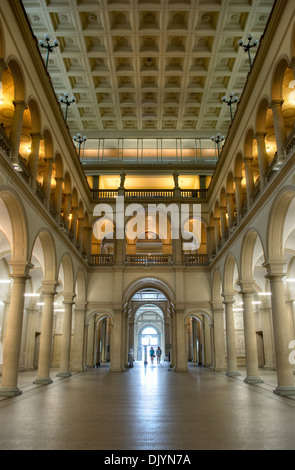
80,231
281,325
230,208
217,232
219,344
116,337
249,179
67,209
58,195
262,156
190,340
279,126
16,128
268,341
47,179
194,340
33,158
79,335
250,334
6,313
49,291
223,220
210,240
180,357
12,343
89,343
239,195
66,337
30,339
177,251
87,237
232,364
74,222
120,252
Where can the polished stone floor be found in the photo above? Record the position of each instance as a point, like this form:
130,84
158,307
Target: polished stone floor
147,408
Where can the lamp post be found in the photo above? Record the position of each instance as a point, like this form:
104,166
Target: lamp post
80,140
217,139
65,99
248,47
232,99
46,45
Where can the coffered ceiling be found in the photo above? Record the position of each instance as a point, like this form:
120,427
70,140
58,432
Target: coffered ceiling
157,67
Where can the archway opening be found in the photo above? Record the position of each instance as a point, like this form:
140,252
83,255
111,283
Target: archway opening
150,324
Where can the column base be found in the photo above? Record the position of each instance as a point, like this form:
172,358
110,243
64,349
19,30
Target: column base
284,391
233,373
253,380
43,381
63,373
10,391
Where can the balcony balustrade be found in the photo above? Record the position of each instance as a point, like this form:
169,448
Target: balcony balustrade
150,194
147,260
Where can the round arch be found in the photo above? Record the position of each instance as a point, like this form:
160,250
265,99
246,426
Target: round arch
247,251
35,113
18,79
19,224
216,286
278,78
48,253
261,113
148,283
276,222
80,286
66,269
230,266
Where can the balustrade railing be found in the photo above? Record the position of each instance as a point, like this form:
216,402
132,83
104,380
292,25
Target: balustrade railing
104,193
102,260
149,193
193,193
194,259
147,260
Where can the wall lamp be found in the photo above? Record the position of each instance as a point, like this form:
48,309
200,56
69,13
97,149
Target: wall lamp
80,140
247,47
46,45
230,101
217,139
65,100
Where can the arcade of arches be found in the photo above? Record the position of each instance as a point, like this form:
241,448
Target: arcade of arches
72,296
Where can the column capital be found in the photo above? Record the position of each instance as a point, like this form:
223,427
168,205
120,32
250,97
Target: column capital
274,268
247,158
69,298
20,269
260,135
49,287
80,305
247,287
228,298
20,104
276,104
217,305
36,135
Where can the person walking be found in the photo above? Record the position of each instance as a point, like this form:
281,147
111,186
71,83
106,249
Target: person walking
158,354
152,354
